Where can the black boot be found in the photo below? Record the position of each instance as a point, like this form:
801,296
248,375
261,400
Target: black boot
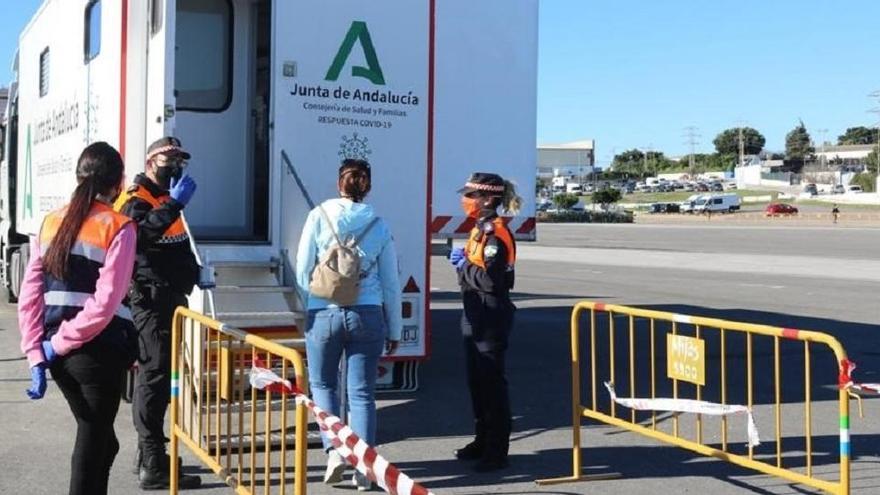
155,475
139,460
470,452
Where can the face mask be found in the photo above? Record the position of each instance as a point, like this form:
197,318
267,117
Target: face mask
471,206
166,173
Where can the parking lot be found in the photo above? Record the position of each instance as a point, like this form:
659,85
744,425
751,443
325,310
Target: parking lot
802,277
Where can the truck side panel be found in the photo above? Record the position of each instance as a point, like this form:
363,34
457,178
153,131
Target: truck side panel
65,102
486,104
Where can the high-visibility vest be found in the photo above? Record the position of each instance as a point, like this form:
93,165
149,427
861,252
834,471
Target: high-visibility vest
175,233
64,299
476,244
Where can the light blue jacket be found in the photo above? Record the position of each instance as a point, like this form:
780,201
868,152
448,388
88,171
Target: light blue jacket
381,285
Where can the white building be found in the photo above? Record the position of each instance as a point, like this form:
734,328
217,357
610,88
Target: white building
852,154
575,159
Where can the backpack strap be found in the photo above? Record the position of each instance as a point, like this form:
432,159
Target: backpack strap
366,231
330,224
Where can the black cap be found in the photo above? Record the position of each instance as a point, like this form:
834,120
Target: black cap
484,182
167,145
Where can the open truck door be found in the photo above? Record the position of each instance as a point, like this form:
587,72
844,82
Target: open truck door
352,80
160,55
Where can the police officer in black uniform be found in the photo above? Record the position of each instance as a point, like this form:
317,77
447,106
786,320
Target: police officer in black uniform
165,273
486,276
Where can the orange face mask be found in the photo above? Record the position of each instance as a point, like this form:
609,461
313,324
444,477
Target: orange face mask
470,206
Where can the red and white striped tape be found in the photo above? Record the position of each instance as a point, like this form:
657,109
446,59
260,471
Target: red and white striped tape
689,406
358,453
845,381
461,225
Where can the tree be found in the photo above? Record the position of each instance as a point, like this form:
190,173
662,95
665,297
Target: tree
798,143
565,201
727,142
607,196
858,135
873,161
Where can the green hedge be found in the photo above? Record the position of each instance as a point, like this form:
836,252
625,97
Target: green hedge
866,180
584,217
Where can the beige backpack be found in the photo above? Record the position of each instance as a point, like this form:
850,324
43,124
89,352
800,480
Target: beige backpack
337,275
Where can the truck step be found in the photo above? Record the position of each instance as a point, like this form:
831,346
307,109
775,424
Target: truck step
262,319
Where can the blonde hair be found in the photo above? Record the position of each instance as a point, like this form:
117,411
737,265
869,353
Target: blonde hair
510,201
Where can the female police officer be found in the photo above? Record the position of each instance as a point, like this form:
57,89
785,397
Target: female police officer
486,274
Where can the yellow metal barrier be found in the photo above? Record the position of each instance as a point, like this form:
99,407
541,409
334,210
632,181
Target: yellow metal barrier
691,368
225,422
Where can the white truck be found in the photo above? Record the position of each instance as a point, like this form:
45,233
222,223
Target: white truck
717,203
426,90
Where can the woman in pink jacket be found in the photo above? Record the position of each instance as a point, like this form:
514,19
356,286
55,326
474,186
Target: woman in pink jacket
71,314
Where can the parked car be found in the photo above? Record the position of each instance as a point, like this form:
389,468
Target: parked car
811,189
688,188
664,208
780,209
854,190
838,189
701,187
717,187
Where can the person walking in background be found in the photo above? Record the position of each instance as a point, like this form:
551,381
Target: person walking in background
485,269
71,313
356,316
165,273
835,213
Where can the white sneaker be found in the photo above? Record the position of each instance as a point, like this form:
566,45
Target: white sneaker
362,483
335,468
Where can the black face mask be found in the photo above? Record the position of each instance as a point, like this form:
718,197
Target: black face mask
166,173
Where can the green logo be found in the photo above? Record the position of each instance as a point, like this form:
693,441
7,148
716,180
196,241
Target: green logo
28,179
357,32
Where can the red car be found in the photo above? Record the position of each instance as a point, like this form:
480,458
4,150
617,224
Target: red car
778,209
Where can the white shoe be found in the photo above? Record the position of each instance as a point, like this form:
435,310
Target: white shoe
362,483
335,468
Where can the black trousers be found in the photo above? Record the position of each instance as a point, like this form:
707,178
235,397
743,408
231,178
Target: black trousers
485,346
153,311
91,380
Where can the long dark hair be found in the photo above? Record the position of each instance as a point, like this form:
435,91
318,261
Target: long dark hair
354,179
98,171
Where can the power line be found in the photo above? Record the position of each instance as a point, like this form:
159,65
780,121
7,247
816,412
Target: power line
692,135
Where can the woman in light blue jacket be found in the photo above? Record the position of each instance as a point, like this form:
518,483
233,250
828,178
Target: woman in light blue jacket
360,331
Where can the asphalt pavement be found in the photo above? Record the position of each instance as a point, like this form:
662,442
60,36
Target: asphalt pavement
822,279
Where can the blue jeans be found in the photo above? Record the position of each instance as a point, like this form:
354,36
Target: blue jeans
359,332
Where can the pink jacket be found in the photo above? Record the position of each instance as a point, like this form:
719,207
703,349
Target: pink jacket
113,281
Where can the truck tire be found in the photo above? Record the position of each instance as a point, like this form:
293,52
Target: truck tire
18,264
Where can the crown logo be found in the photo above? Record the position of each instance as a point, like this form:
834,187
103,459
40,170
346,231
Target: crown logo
355,147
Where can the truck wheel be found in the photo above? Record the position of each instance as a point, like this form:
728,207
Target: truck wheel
731,209
18,264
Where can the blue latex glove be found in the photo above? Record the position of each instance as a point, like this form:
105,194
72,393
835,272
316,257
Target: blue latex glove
460,265
456,255
38,382
182,190
49,352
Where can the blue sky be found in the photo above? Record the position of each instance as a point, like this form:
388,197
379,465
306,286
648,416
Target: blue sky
635,73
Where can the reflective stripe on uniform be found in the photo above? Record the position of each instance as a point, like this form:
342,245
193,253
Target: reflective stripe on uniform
78,300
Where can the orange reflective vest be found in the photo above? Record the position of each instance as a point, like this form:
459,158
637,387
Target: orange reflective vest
175,233
476,244
64,299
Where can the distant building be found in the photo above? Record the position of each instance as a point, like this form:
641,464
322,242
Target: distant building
4,96
851,154
576,159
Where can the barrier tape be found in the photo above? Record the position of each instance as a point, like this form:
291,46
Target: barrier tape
357,452
845,380
689,406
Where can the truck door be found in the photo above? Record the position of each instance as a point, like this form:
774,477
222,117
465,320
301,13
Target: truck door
160,104
350,79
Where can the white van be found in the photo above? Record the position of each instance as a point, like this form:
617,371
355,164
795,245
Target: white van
718,203
574,188
687,206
